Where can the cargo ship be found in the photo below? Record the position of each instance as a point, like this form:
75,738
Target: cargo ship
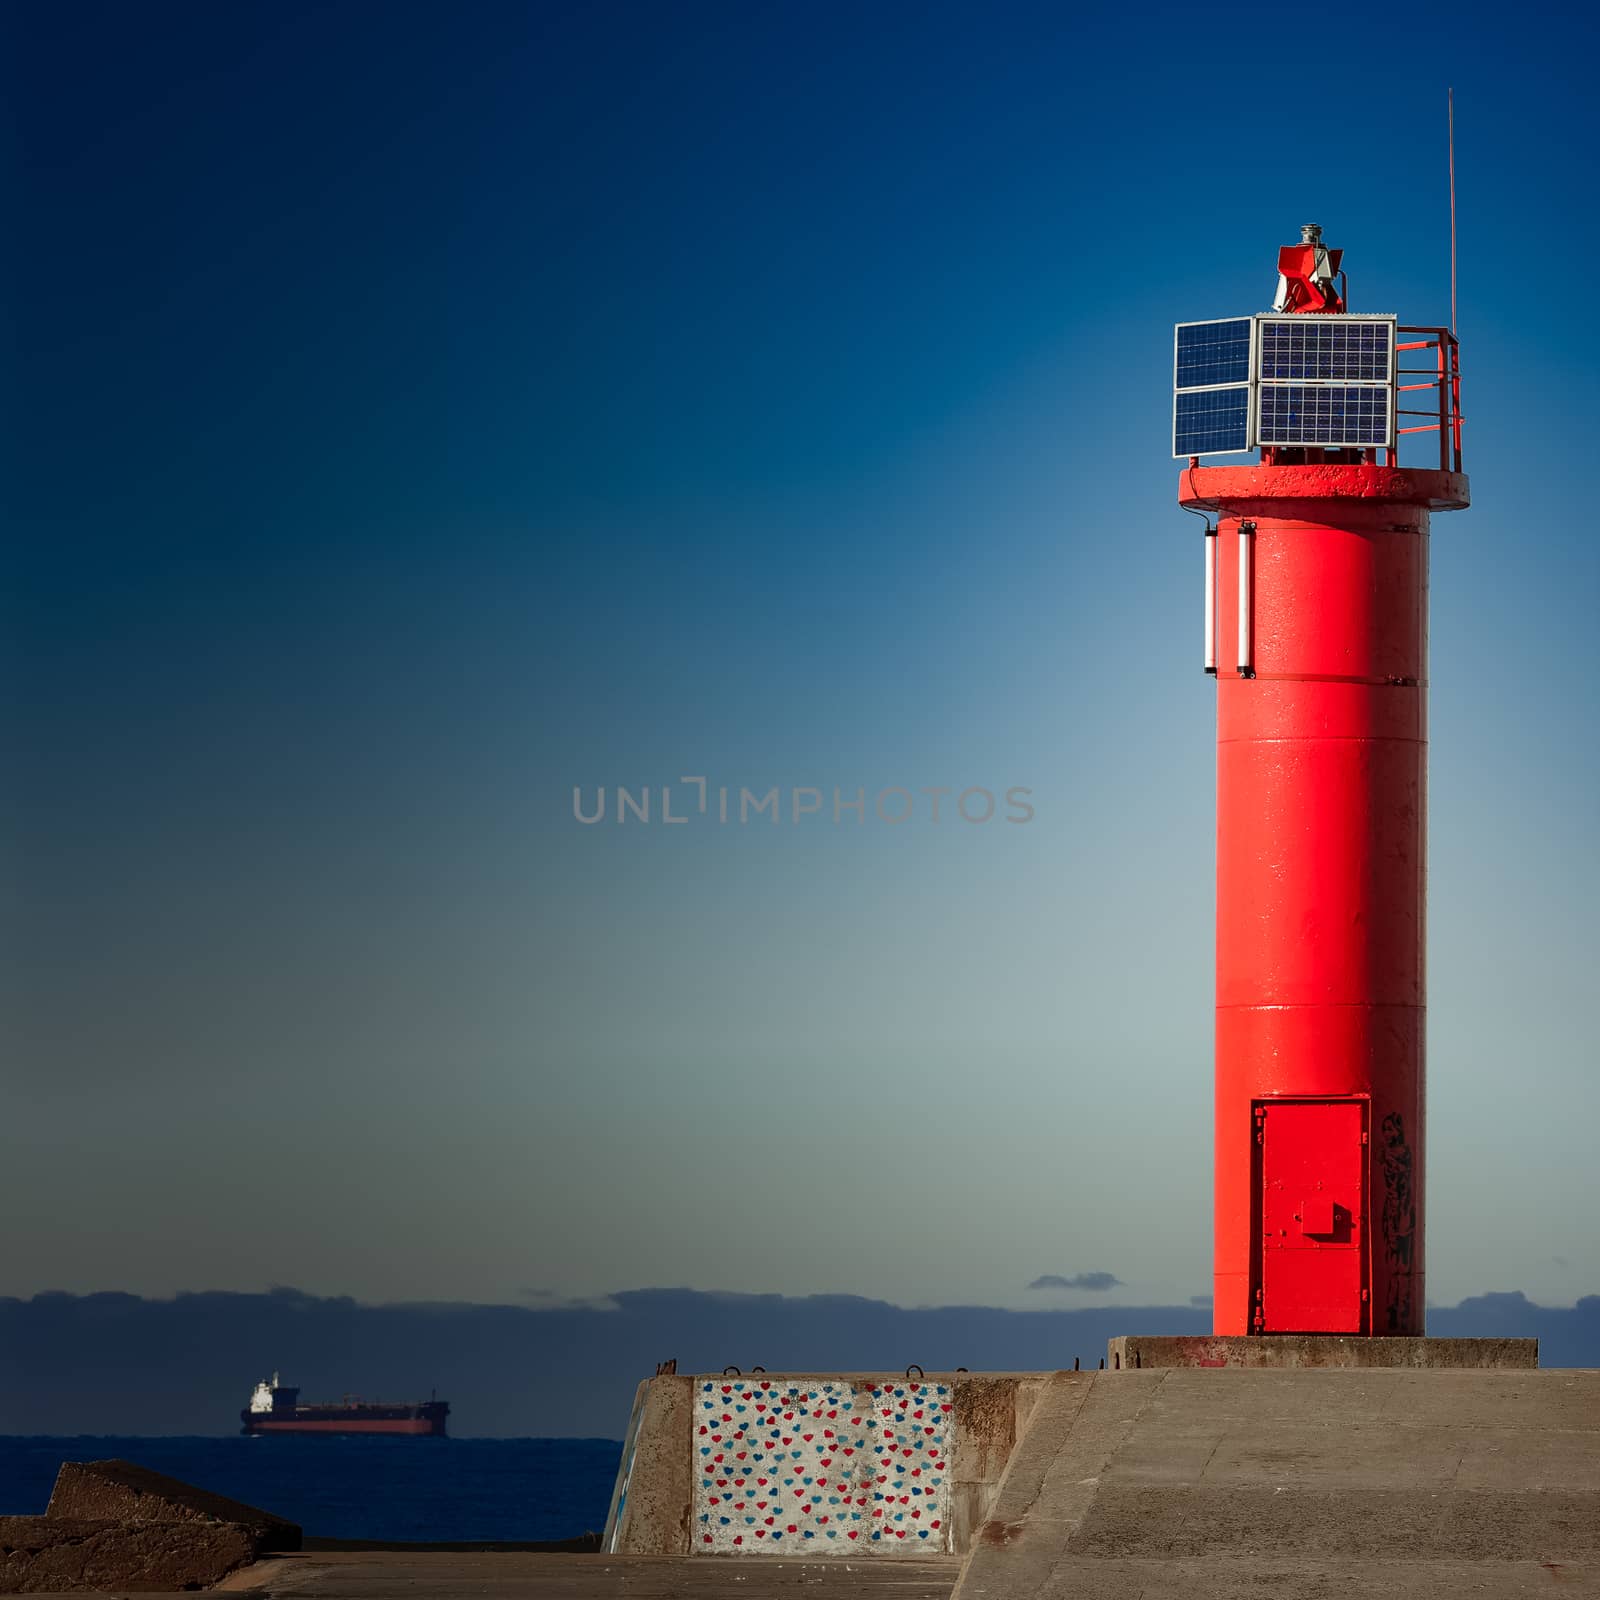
275,1408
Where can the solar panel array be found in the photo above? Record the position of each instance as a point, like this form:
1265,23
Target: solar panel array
1281,380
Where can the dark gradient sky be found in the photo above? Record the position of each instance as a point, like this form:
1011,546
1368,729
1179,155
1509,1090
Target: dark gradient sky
414,412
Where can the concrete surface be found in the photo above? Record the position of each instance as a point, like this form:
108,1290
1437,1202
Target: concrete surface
123,1491
1316,1350
1299,1483
390,1575
40,1555
951,1460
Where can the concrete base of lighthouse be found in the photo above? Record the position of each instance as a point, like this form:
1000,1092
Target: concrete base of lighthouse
1304,1351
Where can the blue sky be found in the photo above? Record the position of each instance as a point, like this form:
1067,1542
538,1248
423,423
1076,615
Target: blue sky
418,412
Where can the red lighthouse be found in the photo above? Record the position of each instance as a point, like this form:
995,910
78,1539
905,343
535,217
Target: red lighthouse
1316,627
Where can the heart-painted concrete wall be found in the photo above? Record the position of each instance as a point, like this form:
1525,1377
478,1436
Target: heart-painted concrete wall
799,1466
815,1464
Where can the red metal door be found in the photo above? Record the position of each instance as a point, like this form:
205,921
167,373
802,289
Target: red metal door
1312,1162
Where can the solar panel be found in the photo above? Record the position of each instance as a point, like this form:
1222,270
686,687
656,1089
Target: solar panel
1335,350
1211,420
1210,353
1323,414
1279,380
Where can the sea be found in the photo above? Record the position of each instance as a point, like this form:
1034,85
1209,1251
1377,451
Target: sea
359,1487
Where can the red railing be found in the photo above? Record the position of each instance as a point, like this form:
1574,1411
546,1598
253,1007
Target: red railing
1443,376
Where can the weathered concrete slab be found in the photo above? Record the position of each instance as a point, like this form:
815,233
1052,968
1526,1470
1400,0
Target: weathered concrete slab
124,1491
40,1555
1410,1482
1287,1523
1227,1578
1298,1350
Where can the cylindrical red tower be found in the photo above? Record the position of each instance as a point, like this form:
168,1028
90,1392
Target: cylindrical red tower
1317,629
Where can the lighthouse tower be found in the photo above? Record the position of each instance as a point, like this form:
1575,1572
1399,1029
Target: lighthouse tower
1316,629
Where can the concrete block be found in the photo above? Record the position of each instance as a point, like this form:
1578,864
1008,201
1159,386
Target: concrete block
916,1462
121,1491
655,1486
52,1554
985,1427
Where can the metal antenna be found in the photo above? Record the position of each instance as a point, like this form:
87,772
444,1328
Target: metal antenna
1452,102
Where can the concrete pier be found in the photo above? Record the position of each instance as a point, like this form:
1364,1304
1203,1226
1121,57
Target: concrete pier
1206,1477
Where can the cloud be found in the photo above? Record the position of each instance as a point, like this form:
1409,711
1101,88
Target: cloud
1094,1281
549,1300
